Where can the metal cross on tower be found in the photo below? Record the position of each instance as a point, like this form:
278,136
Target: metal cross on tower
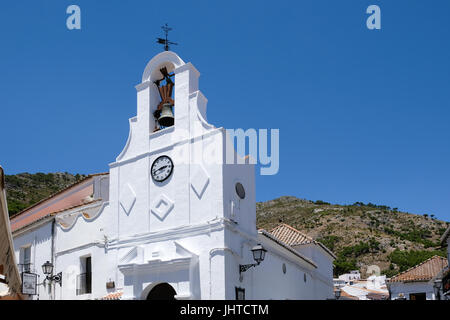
165,41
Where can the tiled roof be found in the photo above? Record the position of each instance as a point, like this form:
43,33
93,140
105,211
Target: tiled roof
13,296
72,196
377,296
53,214
113,296
424,271
290,235
58,192
362,293
346,296
286,246
293,237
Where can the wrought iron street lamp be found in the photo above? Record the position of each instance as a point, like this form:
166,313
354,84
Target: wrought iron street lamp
437,288
259,254
47,269
337,293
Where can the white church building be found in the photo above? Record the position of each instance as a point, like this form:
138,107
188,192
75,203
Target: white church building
172,219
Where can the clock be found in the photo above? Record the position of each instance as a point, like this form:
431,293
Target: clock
162,168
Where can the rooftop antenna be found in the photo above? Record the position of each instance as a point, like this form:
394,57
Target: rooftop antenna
165,41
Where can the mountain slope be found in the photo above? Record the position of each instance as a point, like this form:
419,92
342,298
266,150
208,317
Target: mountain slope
360,234
25,189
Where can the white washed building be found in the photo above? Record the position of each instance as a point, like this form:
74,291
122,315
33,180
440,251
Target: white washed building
354,275
417,283
171,219
443,279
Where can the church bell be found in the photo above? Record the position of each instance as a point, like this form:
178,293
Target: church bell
166,118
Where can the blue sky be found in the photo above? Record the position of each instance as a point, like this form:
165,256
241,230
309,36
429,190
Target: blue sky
363,114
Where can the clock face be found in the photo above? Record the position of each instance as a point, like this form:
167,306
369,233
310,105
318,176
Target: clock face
162,168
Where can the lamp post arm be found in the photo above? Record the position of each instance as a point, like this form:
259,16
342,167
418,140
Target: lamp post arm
56,278
245,267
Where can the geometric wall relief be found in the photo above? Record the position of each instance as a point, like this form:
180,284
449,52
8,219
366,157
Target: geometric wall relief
135,255
161,206
199,180
127,198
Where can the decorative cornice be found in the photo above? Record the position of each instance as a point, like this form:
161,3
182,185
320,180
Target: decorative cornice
187,66
163,58
156,266
170,234
74,214
130,134
166,147
143,85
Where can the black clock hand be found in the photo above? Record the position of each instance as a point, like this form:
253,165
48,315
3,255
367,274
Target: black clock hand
163,167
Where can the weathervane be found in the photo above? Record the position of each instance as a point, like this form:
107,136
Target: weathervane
165,41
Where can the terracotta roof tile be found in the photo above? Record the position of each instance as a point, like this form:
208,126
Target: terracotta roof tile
72,196
286,246
293,237
52,214
290,235
57,193
424,271
348,296
113,296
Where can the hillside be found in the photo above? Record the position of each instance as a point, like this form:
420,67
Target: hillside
360,234
25,189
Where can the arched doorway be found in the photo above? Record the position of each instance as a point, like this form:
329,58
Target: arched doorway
162,291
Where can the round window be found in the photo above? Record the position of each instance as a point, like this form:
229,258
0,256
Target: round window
240,190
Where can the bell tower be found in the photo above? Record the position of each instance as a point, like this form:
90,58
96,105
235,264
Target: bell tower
177,207
172,171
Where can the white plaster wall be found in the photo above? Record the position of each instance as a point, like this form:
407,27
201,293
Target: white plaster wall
40,240
242,211
103,270
324,272
101,187
3,288
86,237
83,231
134,175
269,282
411,287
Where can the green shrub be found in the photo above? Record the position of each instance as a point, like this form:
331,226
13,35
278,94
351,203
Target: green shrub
343,265
329,241
407,259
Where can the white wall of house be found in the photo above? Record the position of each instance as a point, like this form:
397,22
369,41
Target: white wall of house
301,280
39,238
324,272
398,288
353,275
